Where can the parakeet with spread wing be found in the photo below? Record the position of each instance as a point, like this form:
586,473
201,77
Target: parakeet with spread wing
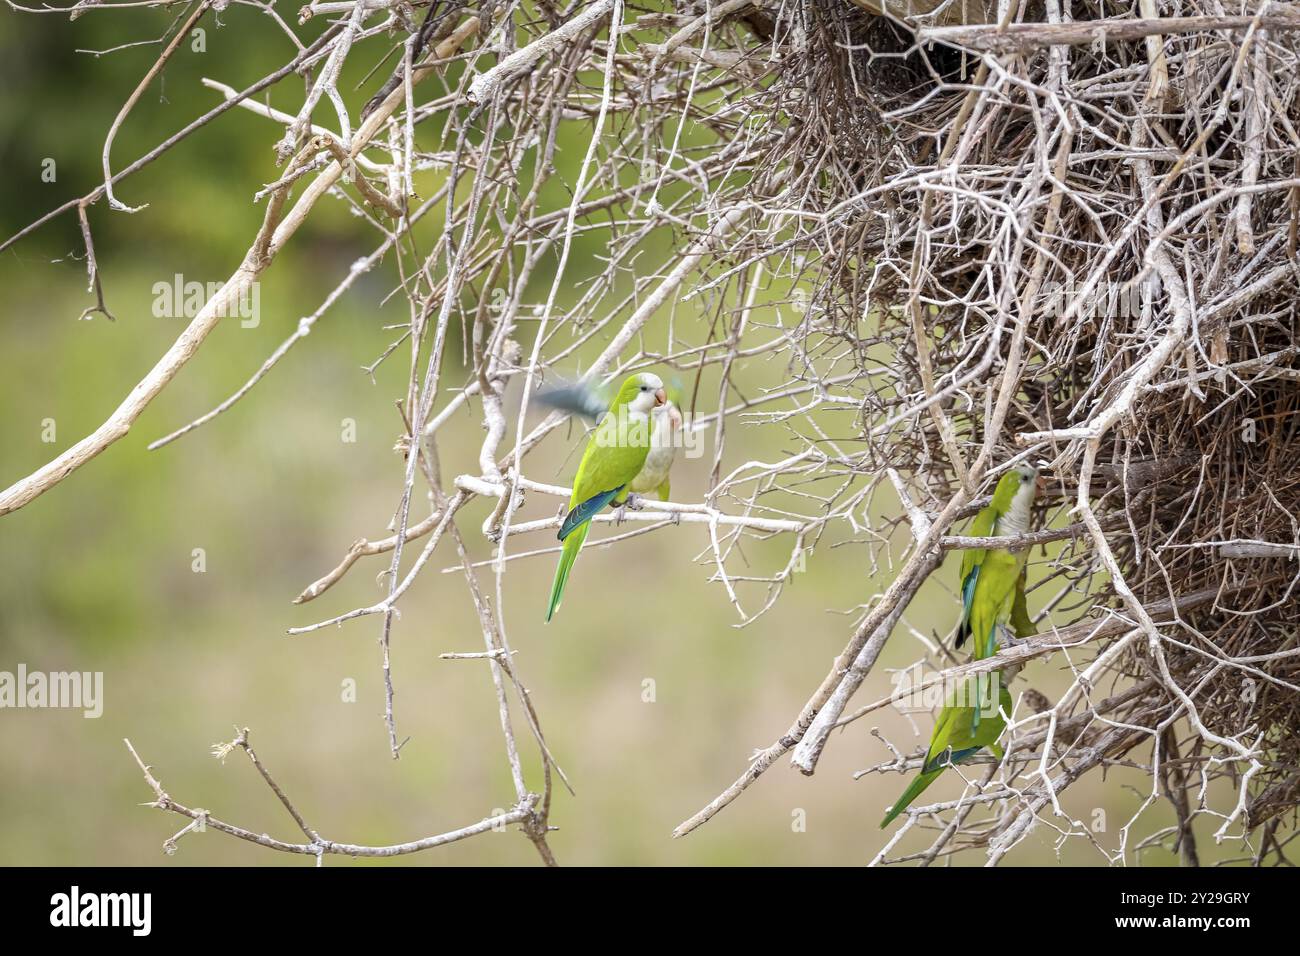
616,454
993,605
655,476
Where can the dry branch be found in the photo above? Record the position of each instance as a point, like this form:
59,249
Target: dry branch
1027,37
275,232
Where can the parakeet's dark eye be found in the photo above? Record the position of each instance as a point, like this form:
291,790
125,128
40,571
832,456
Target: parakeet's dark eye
645,388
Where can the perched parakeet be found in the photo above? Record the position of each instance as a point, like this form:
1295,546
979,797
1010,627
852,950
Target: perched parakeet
993,579
616,453
656,474
959,733
993,604
666,420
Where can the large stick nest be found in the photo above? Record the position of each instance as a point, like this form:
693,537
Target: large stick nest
1097,246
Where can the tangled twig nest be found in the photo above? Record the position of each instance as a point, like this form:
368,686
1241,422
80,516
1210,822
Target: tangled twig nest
1085,254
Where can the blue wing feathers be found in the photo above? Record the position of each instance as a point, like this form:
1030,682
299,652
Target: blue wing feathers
587,510
947,759
967,598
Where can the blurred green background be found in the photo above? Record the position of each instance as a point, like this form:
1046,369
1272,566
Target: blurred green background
97,574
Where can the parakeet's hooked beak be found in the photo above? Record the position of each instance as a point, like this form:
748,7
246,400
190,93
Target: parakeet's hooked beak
661,397
1040,484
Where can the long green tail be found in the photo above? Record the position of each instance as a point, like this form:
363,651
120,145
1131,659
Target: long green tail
913,791
569,554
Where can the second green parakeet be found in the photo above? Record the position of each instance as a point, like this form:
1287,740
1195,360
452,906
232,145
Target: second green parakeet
992,579
993,604
959,733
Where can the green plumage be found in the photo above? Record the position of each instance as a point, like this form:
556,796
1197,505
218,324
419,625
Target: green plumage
992,580
1022,625
568,554
957,736
592,402
993,600
615,453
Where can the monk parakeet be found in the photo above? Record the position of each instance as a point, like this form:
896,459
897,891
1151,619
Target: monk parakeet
656,474
666,422
993,580
959,733
993,606
616,453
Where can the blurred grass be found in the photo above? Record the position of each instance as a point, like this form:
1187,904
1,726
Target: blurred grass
97,575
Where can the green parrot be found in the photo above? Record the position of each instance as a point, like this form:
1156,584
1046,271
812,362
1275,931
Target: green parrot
656,474
958,735
993,604
593,403
993,580
615,455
